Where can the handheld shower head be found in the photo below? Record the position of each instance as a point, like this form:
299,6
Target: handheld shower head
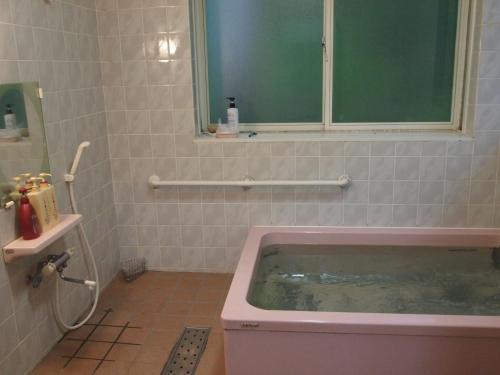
78,156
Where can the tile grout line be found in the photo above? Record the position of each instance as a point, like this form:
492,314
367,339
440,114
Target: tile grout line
104,359
105,342
89,358
86,339
110,325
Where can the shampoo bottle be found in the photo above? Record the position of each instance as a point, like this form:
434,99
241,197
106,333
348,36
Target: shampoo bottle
28,222
232,114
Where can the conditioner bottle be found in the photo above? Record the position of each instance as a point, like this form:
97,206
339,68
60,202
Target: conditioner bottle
50,196
40,204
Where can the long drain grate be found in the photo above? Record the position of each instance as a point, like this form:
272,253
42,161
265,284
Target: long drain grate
187,352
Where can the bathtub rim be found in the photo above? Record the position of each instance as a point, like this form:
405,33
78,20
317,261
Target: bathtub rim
239,314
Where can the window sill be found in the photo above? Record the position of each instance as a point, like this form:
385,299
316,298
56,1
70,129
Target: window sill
330,136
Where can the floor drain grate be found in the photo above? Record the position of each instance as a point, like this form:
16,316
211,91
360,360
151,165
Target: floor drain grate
187,352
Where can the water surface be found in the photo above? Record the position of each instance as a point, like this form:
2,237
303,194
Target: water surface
378,279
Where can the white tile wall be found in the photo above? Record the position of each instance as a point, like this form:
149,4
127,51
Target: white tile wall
58,46
145,52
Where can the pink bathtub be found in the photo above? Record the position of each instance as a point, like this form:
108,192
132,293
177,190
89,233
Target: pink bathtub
272,342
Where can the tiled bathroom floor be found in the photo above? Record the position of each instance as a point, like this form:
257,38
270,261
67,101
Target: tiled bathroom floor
138,323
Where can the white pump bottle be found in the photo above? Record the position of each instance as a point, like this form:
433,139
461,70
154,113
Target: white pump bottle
232,113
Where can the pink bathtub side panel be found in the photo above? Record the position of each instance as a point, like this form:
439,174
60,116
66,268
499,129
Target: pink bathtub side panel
265,342
293,353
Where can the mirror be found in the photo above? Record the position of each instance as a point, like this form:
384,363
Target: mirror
23,146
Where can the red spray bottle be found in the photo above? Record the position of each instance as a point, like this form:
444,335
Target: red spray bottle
28,222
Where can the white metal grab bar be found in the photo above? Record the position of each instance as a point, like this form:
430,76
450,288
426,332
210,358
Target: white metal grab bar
343,181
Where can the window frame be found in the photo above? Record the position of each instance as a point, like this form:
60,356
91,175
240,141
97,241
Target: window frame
461,81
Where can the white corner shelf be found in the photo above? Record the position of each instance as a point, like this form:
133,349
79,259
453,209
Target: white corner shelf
21,248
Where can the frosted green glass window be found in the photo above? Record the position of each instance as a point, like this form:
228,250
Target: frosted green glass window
394,60
267,54
333,64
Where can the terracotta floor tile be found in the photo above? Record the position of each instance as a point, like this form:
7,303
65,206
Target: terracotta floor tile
220,281
135,295
94,350
134,335
175,308
159,296
140,309
215,343
124,353
162,339
159,292
142,319
212,362
217,325
80,367
118,318
154,354
143,368
80,333
167,278
66,347
203,309
146,306
183,294
191,283
210,367
105,333
113,368
110,292
115,303
206,294
167,323
50,365
192,278
96,317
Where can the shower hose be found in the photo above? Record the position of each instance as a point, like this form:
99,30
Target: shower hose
87,251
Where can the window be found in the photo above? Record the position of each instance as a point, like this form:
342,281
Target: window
332,64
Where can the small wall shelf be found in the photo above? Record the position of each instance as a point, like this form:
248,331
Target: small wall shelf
21,248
